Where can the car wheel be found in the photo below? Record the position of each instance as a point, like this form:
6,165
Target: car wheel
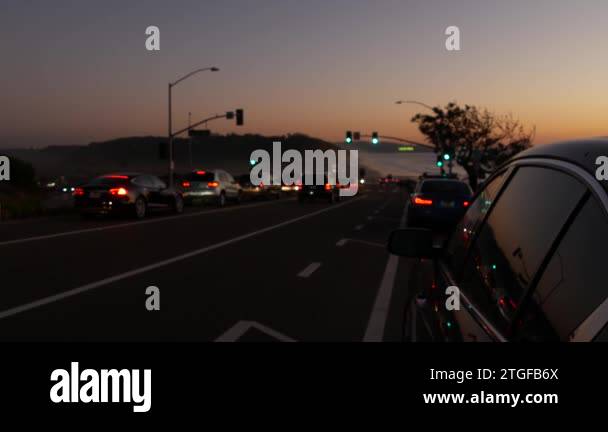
178,205
140,208
221,200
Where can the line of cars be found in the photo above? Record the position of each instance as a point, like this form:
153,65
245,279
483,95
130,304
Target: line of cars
137,194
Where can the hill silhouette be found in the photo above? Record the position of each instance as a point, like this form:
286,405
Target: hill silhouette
230,152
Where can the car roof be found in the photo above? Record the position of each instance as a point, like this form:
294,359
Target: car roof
583,152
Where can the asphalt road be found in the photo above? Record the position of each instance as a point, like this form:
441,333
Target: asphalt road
276,270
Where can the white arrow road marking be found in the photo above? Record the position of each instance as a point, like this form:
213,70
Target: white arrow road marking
237,331
309,270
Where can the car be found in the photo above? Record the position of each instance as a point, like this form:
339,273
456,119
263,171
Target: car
438,203
528,257
126,193
260,191
312,192
210,186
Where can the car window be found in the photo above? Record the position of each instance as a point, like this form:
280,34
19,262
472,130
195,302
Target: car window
200,176
514,240
466,229
141,181
158,183
573,283
445,186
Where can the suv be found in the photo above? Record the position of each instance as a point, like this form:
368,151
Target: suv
528,256
216,186
438,203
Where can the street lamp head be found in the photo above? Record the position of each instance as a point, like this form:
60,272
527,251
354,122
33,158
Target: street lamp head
399,102
214,69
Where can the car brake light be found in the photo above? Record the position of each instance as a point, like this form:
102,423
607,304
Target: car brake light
466,203
118,191
78,192
123,177
213,184
422,201
201,172
327,186
186,184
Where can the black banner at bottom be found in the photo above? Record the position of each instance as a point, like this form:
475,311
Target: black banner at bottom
156,380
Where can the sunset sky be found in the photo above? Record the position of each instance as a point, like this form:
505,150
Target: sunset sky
78,71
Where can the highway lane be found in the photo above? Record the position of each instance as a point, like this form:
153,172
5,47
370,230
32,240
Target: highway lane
306,271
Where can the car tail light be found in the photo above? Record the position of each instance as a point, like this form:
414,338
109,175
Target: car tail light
201,172
78,192
186,184
327,186
466,204
122,177
118,191
422,202
296,188
213,184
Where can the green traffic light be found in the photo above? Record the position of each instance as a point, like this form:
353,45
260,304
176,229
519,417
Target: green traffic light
374,140
252,162
348,140
439,164
446,156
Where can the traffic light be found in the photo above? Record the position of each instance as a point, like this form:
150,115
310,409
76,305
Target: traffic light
229,115
446,157
375,139
439,161
349,137
240,120
357,136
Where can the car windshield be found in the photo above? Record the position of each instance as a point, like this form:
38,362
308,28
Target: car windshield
445,186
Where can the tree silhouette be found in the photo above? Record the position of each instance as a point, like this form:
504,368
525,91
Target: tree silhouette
480,139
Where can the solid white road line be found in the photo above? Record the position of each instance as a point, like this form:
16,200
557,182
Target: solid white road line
128,224
54,298
377,320
237,331
359,227
309,270
341,242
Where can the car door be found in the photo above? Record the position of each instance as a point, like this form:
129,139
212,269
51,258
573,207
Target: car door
165,196
154,196
509,247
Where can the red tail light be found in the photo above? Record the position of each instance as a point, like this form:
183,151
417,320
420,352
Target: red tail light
422,201
122,177
466,204
78,192
327,186
118,191
213,184
201,172
186,184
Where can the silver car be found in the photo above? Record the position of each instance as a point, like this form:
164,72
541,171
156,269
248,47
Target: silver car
210,186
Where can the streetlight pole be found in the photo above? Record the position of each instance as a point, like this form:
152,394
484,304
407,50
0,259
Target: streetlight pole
190,139
400,102
171,85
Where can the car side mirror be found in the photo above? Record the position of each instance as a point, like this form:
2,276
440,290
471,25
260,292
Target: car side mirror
412,243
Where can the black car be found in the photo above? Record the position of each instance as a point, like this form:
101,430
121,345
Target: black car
438,203
326,191
126,193
528,257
